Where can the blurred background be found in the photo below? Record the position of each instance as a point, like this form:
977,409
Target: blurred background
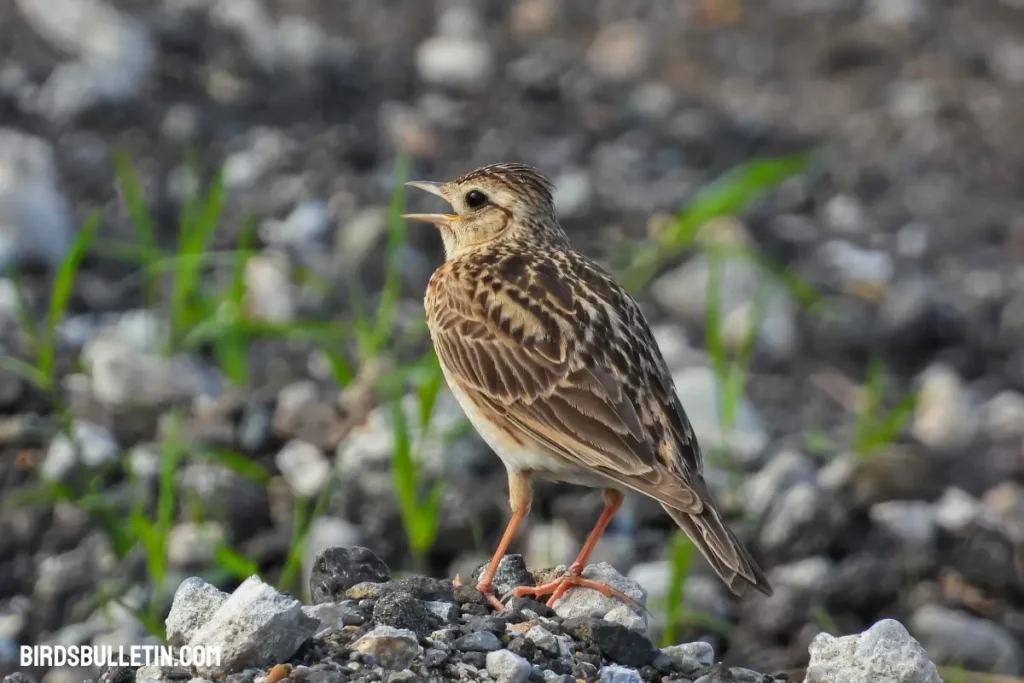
215,361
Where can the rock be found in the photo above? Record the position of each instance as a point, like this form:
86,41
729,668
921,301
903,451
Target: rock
956,510
1007,61
549,545
162,674
785,469
573,193
269,293
360,234
798,523
305,226
544,639
581,602
478,641
91,444
1003,510
506,667
122,375
691,658
338,569
116,55
844,213
697,389
885,652
910,521
511,574
36,221
897,14
619,674
943,419
1003,415
952,636
334,616
394,648
615,641
454,61
402,611
684,293
255,627
304,467
195,602
192,545
862,272
620,51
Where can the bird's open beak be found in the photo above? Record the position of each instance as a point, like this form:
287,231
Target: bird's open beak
435,218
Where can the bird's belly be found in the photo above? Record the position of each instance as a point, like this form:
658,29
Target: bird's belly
529,457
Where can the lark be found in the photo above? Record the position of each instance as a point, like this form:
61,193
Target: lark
557,369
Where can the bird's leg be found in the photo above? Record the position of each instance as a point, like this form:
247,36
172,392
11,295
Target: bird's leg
612,502
520,495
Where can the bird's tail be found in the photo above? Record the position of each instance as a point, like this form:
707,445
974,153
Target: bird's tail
722,549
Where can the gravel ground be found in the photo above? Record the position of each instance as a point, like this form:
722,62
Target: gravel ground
909,226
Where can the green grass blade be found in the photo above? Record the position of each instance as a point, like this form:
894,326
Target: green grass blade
392,292
62,288
682,560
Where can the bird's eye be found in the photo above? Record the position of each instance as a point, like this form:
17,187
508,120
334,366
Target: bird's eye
475,199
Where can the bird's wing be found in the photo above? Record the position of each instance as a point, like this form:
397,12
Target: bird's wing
523,365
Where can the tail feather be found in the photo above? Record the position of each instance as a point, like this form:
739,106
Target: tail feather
722,549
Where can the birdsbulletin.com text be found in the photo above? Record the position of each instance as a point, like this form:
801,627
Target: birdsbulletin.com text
124,655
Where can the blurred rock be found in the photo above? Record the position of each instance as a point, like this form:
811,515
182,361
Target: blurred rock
845,214
304,467
951,636
862,272
305,226
1003,415
35,218
910,521
255,627
956,510
798,523
782,472
944,419
573,193
116,55
620,51
883,652
90,444
191,544
454,60
1002,508
357,236
268,288
120,375
698,389
684,293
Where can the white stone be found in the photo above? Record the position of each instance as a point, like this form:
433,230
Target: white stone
193,544
508,667
304,467
944,419
956,510
698,389
256,627
268,288
454,61
394,648
619,674
912,521
785,469
91,444
195,601
885,653
587,602
691,658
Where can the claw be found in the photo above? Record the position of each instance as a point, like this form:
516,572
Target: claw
457,581
561,586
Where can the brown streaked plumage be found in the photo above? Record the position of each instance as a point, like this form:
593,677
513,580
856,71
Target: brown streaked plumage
556,367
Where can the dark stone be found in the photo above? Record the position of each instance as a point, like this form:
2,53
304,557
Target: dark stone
585,670
523,647
495,625
477,659
480,641
18,677
338,569
475,610
615,641
511,574
111,674
861,584
467,594
538,608
311,675
422,587
434,657
241,677
402,610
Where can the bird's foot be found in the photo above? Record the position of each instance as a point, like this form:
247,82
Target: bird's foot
488,592
560,586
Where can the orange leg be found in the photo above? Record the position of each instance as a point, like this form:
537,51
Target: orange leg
612,502
520,495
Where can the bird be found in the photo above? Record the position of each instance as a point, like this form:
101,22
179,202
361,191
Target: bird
557,369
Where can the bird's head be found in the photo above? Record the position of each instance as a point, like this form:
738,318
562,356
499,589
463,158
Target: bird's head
500,202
